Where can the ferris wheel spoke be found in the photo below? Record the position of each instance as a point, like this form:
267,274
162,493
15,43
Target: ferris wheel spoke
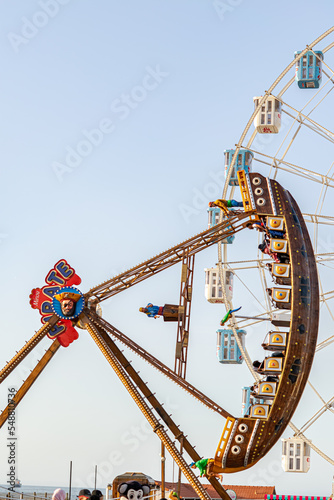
292,168
327,296
324,63
318,414
299,128
308,122
250,291
322,99
312,445
258,318
316,392
322,264
300,117
324,257
319,219
325,343
297,119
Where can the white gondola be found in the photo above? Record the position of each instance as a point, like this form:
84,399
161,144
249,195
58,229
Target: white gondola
268,119
213,288
295,455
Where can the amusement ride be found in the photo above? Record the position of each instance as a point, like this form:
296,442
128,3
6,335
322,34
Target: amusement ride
258,198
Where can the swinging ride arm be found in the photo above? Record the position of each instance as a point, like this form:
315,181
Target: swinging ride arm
125,372
174,255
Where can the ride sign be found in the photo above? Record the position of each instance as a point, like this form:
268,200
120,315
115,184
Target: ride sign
59,278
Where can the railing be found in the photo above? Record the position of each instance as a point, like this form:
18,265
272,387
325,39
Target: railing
15,495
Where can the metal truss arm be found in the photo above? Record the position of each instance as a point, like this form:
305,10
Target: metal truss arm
22,353
122,368
168,258
125,372
29,381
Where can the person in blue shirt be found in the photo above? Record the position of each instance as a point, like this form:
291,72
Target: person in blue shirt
152,311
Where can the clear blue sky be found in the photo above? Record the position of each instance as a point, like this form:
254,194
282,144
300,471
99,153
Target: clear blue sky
114,118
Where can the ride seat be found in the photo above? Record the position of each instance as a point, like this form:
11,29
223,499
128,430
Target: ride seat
265,390
271,365
275,341
259,411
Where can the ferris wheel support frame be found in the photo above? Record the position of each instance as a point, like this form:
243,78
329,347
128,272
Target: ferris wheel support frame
224,195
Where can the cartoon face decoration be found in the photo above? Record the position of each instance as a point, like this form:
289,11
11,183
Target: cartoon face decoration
133,490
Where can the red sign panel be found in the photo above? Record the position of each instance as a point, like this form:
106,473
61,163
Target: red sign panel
62,274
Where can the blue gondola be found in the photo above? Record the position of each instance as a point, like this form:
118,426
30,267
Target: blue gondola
227,348
214,213
309,69
245,400
243,162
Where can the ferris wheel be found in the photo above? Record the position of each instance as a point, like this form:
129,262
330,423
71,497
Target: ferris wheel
292,262
294,107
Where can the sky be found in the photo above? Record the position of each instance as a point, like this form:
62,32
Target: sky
114,119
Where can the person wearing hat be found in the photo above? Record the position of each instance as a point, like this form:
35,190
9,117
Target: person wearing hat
68,302
98,494
84,494
94,497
